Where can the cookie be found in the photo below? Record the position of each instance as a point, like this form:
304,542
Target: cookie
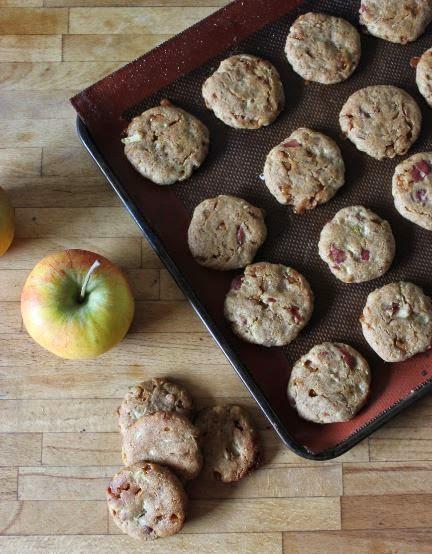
229,442
305,170
165,144
330,383
147,501
381,120
323,48
424,75
156,395
412,189
357,245
269,305
397,321
245,92
166,438
226,232
398,21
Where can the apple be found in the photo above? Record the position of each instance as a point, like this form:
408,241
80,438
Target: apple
7,222
77,304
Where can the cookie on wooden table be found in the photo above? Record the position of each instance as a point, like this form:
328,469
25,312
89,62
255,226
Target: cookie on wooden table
153,396
245,92
330,383
226,232
357,245
165,143
381,120
166,438
397,321
305,170
269,304
229,442
399,21
323,48
147,501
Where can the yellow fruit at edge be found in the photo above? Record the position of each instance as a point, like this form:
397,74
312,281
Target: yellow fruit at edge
7,222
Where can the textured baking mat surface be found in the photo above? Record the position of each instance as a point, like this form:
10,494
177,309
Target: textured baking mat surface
234,166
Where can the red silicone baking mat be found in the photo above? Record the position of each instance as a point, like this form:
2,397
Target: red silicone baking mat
176,70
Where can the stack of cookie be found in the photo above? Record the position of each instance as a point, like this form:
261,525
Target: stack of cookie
162,449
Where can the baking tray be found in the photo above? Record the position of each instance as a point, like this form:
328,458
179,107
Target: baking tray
176,70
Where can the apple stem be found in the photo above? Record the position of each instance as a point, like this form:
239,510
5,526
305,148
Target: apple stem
95,265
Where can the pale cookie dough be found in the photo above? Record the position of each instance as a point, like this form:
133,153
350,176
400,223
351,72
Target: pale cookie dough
357,245
269,305
226,232
166,438
330,383
398,21
156,395
305,170
381,120
397,321
165,144
323,48
229,442
412,189
424,75
147,501
245,92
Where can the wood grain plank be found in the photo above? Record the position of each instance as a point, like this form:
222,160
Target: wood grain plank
37,132
21,3
168,288
69,162
33,21
118,48
144,284
318,480
125,252
130,3
393,450
52,517
8,480
79,380
10,318
166,317
20,449
386,512
406,541
100,21
42,104
81,449
232,543
52,76
74,222
12,281
25,162
387,478
30,48
241,516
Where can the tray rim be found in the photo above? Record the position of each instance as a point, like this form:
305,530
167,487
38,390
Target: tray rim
243,373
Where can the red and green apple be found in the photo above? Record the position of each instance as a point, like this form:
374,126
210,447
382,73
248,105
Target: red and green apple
77,304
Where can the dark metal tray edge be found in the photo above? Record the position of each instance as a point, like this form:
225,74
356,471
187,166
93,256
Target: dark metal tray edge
237,365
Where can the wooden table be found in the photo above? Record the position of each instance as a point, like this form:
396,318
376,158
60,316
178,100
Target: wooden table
58,436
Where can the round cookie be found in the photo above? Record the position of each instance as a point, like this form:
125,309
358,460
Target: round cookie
305,170
156,395
357,245
269,305
229,442
245,92
147,501
166,438
424,75
330,383
396,20
165,144
226,232
381,120
397,321
323,48
412,189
